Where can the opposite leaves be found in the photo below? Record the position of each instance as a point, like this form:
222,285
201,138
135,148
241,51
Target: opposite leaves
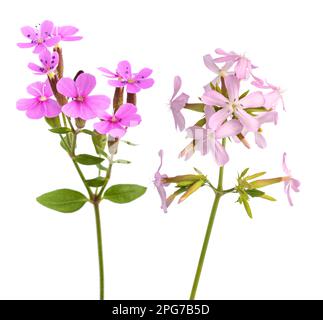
124,193
63,200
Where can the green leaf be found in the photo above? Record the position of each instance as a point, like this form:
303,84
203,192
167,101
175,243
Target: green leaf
63,200
53,122
101,167
66,139
96,182
247,207
267,197
255,193
122,161
256,175
87,131
88,160
244,172
99,142
61,130
244,94
124,193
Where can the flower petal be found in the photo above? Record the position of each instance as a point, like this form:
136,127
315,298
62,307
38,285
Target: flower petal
218,118
260,140
85,83
25,45
66,86
177,86
285,168
209,63
228,129
124,69
220,154
145,83
25,104
52,109
36,89
143,73
28,32
214,98
117,83
178,103
254,99
98,102
46,29
179,120
232,84
72,109
132,88
36,112
249,122
109,73
52,41
38,69
102,127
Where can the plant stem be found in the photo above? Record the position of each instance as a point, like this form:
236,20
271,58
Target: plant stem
100,250
218,196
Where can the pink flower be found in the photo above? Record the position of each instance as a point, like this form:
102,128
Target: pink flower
49,62
233,105
207,139
116,125
39,39
220,72
289,181
67,33
134,82
82,105
160,185
41,105
272,98
177,104
243,65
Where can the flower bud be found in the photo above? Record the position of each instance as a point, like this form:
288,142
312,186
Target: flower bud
264,182
80,123
194,187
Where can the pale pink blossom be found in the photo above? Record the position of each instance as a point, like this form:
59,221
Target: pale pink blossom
290,182
233,105
49,61
160,185
243,65
273,97
116,125
41,105
67,33
83,105
177,104
39,39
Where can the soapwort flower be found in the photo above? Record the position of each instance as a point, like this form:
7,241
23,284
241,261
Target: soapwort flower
289,181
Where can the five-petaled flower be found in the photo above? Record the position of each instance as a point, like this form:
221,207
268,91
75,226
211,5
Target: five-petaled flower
82,105
289,181
243,65
177,104
233,105
41,38
116,125
41,105
123,77
49,61
160,184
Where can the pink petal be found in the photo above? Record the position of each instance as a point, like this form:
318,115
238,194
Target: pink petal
249,122
116,130
218,118
116,83
46,29
179,120
47,90
177,86
86,112
52,109
228,129
243,68
288,195
98,102
36,89
285,169
268,117
66,31
143,73
85,83
66,86
132,88
209,63
38,70
102,127
39,48
52,41
72,109
36,112
272,99
260,140
124,69
25,45
28,32
126,110
232,84
295,184
25,104
145,83
178,103
209,112
109,73
214,98
220,154
254,99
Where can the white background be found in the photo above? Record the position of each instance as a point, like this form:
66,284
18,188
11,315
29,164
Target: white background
148,254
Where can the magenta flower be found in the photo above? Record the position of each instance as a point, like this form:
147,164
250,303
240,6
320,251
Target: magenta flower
272,98
207,140
243,65
233,105
160,185
67,33
177,104
82,105
290,182
117,124
48,60
134,82
41,38
41,105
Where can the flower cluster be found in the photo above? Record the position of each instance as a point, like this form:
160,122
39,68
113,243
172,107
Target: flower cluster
227,113
74,97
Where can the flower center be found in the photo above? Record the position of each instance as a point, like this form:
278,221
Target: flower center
40,40
114,119
80,99
42,98
131,81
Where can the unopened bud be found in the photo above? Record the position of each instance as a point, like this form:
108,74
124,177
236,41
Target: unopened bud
80,123
194,187
265,182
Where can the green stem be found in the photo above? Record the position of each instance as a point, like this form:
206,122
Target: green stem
107,178
100,250
218,196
